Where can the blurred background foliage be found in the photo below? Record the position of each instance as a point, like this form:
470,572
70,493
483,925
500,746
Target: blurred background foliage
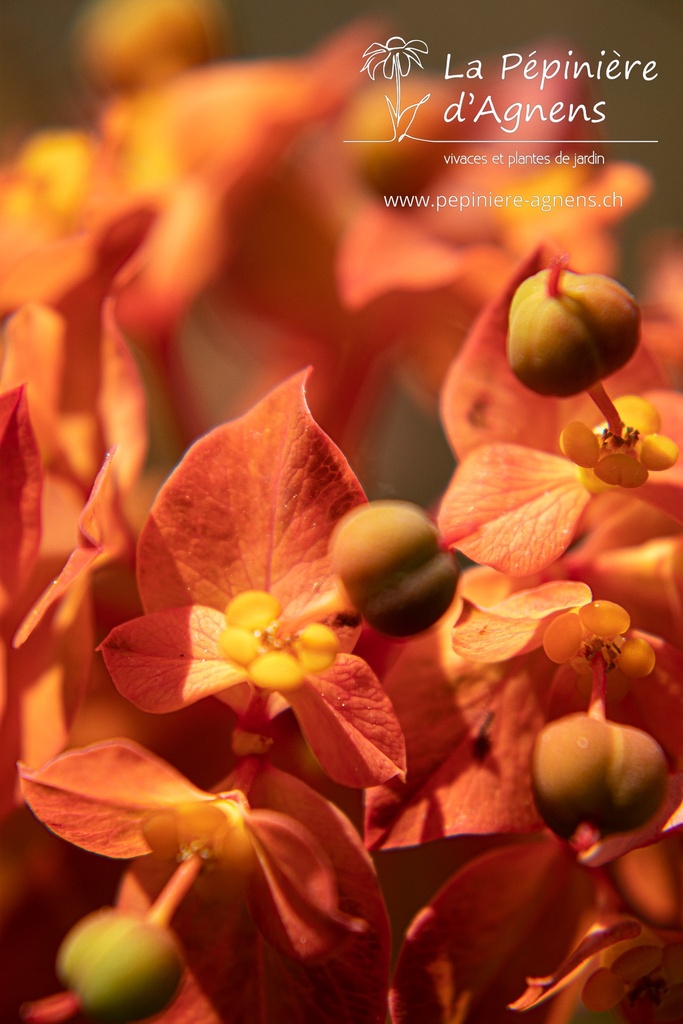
39,85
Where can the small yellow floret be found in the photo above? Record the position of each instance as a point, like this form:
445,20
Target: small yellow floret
605,619
160,830
233,846
603,991
58,164
638,413
580,444
637,962
215,829
622,470
253,609
562,638
591,482
277,670
199,823
316,647
239,645
636,658
658,452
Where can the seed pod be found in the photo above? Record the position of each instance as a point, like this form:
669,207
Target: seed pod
123,967
587,770
563,344
389,561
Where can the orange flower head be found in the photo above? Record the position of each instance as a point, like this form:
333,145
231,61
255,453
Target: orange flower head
623,454
597,630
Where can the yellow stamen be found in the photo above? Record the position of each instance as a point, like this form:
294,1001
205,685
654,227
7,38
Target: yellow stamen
215,830
273,659
604,618
658,452
253,609
316,647
277,670
621,470
639,414
623,459
239,645
636,658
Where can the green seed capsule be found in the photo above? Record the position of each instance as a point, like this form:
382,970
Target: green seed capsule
587,770
388,558
123,967
563,344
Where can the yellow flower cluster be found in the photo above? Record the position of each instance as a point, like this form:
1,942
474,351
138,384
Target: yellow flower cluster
607,459
253,640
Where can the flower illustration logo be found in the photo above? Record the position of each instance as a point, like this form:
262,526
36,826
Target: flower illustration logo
395,58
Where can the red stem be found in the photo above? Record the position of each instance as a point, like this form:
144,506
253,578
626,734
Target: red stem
599,691
246,771
607,408
585,835
557,265
256,718
51,1010
175,890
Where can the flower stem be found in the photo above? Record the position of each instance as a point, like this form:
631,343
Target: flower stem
607,408
586,835
596,708
557,265
51,1010
246,771
175,890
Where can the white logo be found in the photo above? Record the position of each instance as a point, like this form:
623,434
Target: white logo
396,58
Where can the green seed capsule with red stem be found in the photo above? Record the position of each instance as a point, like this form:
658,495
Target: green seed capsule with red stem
388,558
586,770
123,967
567,331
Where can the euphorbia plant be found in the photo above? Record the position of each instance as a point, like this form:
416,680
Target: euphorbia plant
282,647
258,565
231,610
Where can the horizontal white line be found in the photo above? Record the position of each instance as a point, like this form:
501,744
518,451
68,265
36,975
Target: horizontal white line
518,142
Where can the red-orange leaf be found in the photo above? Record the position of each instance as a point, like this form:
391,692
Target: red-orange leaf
508,914
234,973
516,625
481,397
121,402
169,659
21,474
292,894
48,680
597,939
103,536
350,724
99,797
513,508
469,730
382,251
267,490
